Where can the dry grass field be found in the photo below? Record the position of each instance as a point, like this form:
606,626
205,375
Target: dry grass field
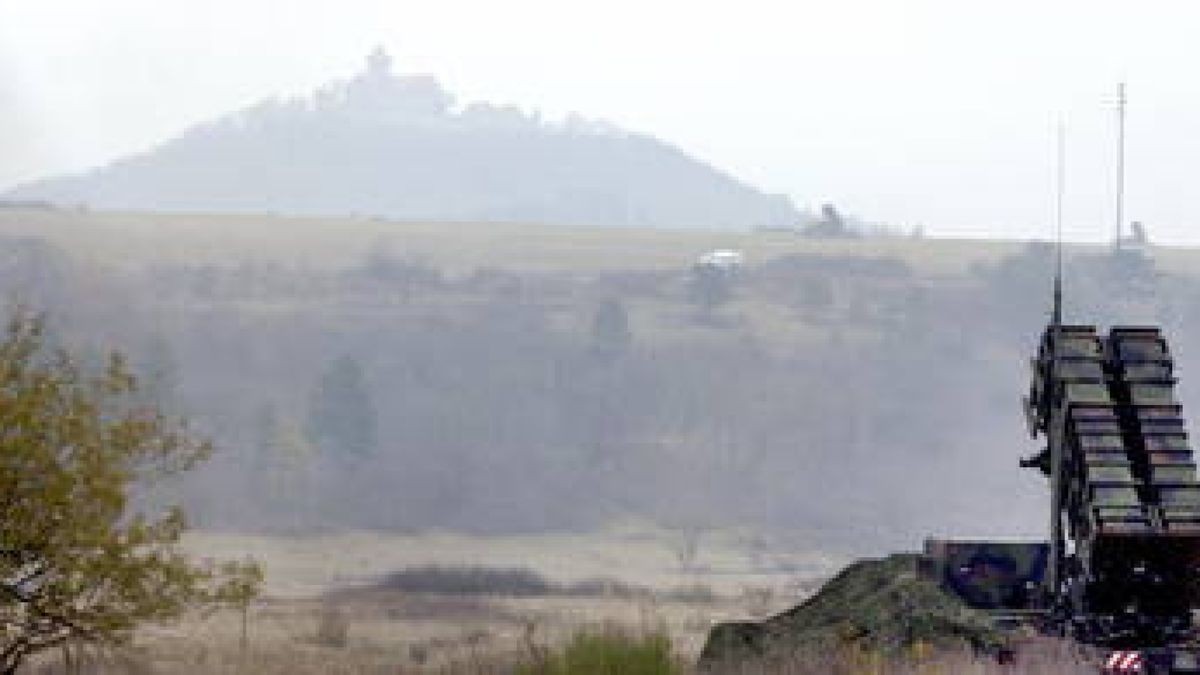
324,612
135,239
733,574
634,553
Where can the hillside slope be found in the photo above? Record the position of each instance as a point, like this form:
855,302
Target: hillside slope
397,146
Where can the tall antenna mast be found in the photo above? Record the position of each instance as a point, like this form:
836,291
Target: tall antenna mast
1054,333
1121,101
1060,189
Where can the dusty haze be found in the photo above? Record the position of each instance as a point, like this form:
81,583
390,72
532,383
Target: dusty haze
859,394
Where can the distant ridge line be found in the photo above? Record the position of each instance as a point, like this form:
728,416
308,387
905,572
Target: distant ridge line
398,147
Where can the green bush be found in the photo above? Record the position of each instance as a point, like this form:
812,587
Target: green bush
610,652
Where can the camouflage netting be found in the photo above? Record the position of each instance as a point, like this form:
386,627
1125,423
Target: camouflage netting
875,605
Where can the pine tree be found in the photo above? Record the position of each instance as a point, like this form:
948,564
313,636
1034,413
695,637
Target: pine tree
611,336
341,417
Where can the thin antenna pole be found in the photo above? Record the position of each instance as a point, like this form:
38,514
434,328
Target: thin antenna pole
1060,191
1121,101
1055,333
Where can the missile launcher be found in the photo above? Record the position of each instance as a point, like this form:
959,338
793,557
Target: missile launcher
1125,503
1120,573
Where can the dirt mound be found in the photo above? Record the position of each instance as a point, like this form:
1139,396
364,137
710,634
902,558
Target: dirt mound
877,605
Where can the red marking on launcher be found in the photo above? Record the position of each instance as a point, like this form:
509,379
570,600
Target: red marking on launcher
1123,662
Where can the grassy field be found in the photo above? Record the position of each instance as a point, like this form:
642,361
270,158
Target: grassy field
728,562
325,611
140,239
137,239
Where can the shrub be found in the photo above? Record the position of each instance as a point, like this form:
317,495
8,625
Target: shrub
610,652
333,628
514,582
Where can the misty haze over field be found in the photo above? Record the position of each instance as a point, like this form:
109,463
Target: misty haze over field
404,305
862,395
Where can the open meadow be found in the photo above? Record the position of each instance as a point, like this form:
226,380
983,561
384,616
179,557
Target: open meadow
335,603
366,603
147,239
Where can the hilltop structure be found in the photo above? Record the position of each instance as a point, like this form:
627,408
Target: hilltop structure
382,144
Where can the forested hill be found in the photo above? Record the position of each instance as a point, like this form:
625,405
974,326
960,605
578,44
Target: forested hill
394,146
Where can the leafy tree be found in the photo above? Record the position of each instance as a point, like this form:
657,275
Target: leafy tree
341,417
79,561
159,380
284,466
710,286
611,336
830,225
815,293
266,440
381,264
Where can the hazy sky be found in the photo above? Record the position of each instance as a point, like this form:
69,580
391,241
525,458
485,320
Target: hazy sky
908,111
